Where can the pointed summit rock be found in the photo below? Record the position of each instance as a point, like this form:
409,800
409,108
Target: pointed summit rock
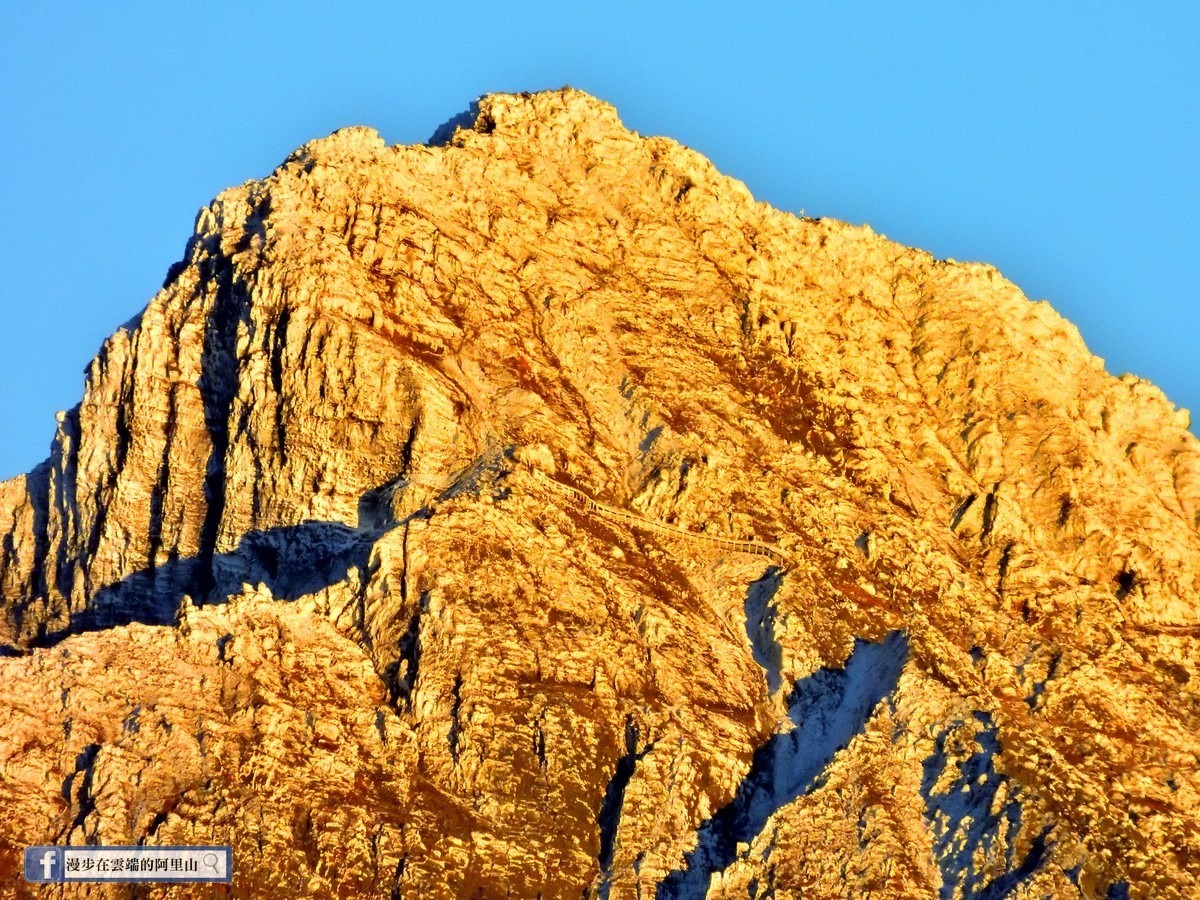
533,513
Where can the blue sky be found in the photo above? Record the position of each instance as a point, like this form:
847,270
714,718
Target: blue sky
1057,141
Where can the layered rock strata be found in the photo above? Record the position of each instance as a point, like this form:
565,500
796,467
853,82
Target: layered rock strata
535,514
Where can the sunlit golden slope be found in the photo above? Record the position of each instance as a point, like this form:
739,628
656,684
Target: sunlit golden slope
412,540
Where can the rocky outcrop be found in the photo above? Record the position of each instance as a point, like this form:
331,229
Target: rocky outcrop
533,513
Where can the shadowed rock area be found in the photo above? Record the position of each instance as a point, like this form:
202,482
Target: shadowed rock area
828,708
533,513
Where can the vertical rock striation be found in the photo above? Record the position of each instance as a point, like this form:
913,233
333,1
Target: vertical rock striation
533,513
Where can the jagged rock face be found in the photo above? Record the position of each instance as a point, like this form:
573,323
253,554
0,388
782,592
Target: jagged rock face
303,572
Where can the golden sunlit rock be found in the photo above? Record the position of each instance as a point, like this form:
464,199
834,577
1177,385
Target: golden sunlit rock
535,514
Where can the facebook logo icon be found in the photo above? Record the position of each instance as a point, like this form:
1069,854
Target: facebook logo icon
43,864
128,864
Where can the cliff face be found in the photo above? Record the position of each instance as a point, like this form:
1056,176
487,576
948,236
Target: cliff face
535,514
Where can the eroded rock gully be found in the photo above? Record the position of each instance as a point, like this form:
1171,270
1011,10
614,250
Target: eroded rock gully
411,541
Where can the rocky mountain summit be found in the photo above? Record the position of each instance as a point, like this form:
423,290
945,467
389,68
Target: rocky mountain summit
534,514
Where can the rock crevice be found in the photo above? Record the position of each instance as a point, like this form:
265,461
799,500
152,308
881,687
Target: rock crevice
412,541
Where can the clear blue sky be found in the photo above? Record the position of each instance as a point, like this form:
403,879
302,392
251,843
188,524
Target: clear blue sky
1058,141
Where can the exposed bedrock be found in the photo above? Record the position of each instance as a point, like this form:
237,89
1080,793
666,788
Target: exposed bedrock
533,513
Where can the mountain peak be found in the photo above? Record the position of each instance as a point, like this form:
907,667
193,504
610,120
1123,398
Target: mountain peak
532,511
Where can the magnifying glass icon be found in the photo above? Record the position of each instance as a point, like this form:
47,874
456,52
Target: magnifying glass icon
210,862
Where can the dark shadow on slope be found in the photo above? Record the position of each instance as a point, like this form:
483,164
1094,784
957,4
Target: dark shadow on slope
290,561
828,709
1005,884
760,625
966,821
444,132
37,494
609,818
217,384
